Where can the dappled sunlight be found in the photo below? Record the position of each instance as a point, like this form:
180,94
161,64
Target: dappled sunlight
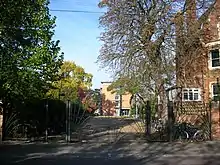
136,127
138,151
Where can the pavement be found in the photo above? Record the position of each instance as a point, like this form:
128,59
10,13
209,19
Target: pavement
129,153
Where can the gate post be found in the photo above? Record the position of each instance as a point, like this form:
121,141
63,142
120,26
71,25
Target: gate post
68,112
210,120
148,119
170,120
171,116
46,130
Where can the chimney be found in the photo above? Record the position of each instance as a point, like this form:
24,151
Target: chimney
179,32
191,16
179,28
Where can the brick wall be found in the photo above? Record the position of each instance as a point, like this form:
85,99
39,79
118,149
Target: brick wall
211,28
215,124
213,38
195,119
196,73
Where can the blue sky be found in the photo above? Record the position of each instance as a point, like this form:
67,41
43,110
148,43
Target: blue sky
78,34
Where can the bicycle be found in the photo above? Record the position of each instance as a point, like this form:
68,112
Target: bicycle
179,132
192,132
197,135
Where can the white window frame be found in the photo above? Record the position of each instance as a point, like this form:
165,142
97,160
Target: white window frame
210,59
212,89
194,90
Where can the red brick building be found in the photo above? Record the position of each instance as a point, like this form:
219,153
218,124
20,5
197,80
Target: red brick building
198,57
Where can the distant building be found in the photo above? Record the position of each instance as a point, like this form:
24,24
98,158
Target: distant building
113,103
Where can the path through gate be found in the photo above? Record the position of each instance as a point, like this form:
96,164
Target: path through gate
109,129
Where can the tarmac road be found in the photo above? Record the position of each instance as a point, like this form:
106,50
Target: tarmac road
68,160
109,151
135,153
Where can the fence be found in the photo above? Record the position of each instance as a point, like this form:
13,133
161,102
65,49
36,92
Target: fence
185,121
45,119
42,119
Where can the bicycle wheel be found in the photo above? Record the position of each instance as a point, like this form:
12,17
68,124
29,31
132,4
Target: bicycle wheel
184,136
199,136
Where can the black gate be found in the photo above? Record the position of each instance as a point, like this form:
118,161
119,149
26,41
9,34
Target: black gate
192,121
185,121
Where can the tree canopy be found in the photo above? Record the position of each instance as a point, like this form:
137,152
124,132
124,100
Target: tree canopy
139,41
72,79
29,57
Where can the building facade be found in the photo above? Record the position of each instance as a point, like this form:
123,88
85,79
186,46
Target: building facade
198,69
198,64
113,103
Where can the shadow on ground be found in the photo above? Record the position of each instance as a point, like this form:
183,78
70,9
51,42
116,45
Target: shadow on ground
111,151
138,153
105,129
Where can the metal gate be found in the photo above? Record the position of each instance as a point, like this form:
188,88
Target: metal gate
110,129
192,121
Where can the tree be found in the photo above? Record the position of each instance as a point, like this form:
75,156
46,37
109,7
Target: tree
72,79
191,37
140,42
91,101
29,58
133,44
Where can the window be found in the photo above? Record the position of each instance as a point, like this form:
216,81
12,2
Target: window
116,97
215,91
124,112
215,58
116,103
191,94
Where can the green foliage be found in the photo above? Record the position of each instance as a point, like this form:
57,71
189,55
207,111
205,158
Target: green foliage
72,78
124,84
132,111
29,58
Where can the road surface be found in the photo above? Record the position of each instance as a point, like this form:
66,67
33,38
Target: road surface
132,153
103,149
